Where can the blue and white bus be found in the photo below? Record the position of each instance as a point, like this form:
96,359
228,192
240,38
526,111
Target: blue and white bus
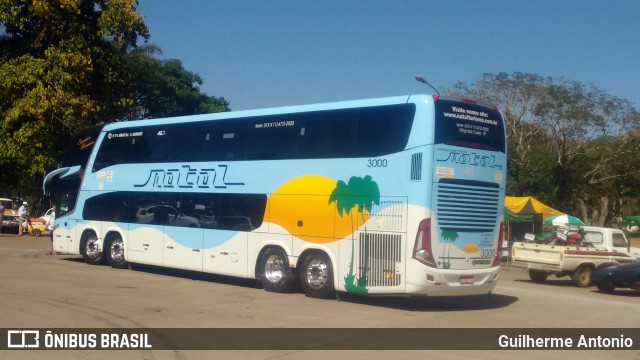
399,195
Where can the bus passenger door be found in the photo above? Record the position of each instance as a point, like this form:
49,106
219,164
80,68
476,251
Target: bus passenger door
62,236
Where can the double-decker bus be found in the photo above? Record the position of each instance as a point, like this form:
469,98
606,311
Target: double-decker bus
398,195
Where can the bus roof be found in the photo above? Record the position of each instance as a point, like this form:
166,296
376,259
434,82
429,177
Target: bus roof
271,111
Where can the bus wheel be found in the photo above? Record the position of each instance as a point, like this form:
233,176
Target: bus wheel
316,276
274,271
89,248
115,252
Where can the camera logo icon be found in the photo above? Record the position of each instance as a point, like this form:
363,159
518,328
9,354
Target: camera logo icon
23,339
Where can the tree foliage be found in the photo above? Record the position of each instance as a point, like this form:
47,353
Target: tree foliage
572,145
518,96
164,88
60,72
69,64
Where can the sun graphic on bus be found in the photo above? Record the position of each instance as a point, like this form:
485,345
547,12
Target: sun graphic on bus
302,207
470,248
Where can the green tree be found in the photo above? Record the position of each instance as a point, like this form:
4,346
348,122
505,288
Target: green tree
589,134
165,88
614,183
359,194
70,64
59,72
518,95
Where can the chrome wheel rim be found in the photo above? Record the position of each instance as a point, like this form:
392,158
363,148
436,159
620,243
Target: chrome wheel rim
92,247
117,250
317,273
274,268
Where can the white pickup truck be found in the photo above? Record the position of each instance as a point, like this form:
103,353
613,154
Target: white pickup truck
600,245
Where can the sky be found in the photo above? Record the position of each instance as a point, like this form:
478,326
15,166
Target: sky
260,54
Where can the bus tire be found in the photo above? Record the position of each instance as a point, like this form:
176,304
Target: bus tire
582,276
89,244
274,271
316,276
538,276
114,247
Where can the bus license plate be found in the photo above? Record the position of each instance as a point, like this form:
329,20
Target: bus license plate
467,280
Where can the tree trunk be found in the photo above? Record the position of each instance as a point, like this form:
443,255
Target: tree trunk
604,210
584,211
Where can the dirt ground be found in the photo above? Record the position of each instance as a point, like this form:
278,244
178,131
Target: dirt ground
61,291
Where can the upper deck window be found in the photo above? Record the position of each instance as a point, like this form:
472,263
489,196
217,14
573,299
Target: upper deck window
342,133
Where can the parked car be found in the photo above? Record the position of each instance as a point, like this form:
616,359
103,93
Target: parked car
47,215
610,275
601,245
10,220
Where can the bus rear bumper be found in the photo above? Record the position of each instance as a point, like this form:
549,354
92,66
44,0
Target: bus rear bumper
439,282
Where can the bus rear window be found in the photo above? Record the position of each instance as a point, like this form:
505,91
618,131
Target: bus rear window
469,125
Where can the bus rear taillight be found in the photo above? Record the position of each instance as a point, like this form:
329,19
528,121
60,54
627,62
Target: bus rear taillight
422,248
496,260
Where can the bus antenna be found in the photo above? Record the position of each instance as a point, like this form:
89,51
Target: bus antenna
419,78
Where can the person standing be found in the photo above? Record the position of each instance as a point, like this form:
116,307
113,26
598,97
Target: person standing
51,227
23,216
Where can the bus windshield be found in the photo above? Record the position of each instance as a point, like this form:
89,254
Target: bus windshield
80,147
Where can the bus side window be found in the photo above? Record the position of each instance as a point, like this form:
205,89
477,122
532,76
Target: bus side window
273,137
176,143
384,130
328,134
223,141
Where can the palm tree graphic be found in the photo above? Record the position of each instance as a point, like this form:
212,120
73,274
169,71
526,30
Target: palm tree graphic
449,237
361,194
